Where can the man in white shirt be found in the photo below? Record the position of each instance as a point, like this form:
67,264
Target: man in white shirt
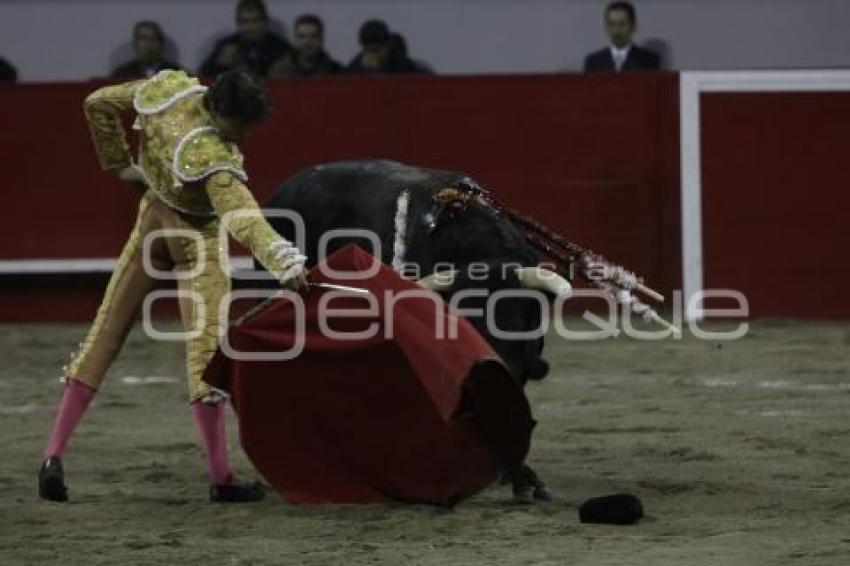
622,54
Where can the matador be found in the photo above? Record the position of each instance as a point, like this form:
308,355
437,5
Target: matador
192,175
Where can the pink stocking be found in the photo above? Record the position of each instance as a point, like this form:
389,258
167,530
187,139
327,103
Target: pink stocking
210,421
75,401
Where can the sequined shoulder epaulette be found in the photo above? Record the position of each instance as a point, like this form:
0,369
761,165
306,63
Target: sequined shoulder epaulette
163,90
202,152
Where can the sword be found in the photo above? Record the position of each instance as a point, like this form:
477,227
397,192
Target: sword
343,288
256,309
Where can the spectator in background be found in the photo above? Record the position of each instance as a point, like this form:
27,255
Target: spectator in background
308,58
254,45
398,50
622,54
148,42
377,55
8,74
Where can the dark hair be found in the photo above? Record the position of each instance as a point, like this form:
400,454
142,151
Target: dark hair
627,7
256,5
237,94
151,25
398,44
311,20
374,31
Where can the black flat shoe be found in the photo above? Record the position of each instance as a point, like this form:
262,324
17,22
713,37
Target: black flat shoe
237,493
51,480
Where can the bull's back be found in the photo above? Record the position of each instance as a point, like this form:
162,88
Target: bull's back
348,195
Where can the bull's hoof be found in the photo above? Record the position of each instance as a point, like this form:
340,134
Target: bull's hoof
527,485
523,493
237,493
542,493
51,480
537,370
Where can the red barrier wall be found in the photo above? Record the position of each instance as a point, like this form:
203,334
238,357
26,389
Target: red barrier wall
593,156
775,200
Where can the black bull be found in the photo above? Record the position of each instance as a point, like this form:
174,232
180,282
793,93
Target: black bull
440,231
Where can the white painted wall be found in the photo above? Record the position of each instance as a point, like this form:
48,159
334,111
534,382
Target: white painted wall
51,40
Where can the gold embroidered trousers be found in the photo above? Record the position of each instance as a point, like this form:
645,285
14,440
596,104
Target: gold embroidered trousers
188,247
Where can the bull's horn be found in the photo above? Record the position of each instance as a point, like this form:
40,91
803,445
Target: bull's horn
544,280
438,281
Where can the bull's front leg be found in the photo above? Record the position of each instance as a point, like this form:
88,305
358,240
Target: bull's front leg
527,485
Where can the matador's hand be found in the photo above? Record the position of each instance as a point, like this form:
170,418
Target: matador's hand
133,176
299,281
290,269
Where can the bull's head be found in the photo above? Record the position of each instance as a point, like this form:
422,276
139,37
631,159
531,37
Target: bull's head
513,314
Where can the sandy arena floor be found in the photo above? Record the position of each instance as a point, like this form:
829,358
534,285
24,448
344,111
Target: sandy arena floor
740,452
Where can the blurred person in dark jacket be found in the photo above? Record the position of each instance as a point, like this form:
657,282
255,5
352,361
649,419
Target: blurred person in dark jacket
308,57
148,42
254,45
8,73
378,55
622,54
398,51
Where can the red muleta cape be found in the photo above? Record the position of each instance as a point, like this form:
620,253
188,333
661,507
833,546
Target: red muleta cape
411,417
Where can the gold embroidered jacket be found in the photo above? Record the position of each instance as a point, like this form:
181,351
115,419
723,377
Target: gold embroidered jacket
182,157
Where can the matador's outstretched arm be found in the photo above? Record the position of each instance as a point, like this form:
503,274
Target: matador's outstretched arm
244,220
